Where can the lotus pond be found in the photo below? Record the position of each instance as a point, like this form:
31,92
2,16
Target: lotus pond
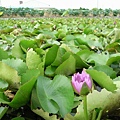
38,58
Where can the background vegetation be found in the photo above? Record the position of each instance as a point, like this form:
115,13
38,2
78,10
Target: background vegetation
53,12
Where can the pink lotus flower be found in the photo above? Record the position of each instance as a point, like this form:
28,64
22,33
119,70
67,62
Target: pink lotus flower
82,83
115,23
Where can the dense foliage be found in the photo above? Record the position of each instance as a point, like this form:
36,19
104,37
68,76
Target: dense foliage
27,12
38,58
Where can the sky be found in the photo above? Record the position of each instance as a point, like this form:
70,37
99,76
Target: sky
65,4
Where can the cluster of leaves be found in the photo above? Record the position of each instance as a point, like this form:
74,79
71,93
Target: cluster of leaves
38,57
24,12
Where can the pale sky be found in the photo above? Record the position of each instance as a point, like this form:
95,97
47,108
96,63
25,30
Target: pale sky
65,4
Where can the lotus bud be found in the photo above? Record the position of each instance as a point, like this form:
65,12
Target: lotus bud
82,83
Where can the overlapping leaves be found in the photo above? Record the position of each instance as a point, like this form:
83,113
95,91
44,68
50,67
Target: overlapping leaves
54,50
56,95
